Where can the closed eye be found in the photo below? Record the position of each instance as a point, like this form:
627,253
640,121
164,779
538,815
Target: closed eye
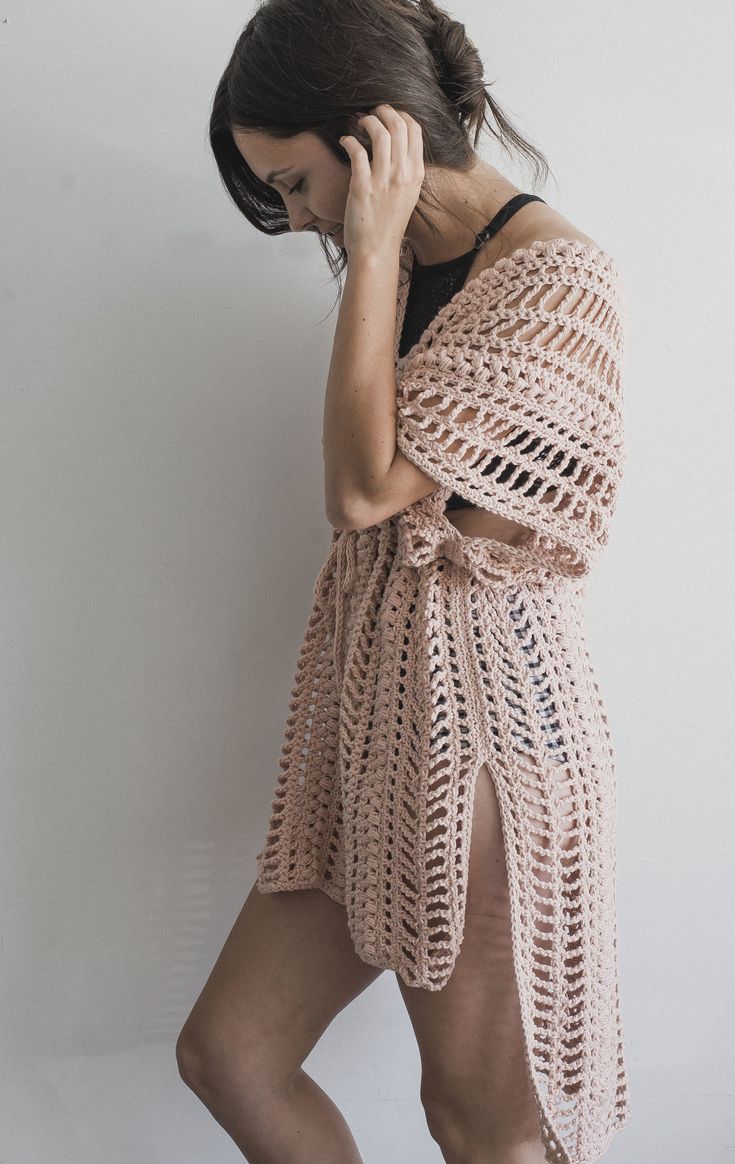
298,186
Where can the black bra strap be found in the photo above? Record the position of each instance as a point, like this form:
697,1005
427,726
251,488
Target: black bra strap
502,217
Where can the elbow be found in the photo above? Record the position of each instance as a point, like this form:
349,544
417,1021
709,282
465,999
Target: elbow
350,513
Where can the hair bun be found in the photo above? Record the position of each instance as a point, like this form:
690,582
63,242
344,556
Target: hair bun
458,65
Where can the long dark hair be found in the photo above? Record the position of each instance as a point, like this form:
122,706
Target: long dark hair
313,65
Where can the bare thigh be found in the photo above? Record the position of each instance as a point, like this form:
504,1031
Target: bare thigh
286,969
469,1033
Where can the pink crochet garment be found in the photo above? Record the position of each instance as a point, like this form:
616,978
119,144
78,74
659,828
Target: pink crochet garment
428,653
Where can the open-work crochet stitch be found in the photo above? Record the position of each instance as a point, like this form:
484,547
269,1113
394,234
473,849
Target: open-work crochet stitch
428,653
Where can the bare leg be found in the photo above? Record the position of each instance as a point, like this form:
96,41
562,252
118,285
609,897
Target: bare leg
475,1086
287,968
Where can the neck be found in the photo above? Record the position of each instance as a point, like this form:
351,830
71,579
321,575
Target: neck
469,200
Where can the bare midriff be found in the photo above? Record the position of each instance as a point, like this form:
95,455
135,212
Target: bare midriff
474,522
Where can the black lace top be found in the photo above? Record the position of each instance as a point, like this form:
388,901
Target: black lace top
434,284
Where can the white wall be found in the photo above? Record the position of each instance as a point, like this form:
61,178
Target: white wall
162,526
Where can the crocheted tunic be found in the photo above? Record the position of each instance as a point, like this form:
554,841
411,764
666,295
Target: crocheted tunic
429,653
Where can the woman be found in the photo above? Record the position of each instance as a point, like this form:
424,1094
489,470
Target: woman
446,802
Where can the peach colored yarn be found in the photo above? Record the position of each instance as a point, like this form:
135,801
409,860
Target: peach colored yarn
428,653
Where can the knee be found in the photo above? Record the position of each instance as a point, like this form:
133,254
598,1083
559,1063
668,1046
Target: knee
208,1060
189,1058
469,1122
445,1112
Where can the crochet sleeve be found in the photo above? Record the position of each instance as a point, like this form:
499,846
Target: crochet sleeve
515,399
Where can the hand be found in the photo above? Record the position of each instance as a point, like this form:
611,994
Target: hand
383,193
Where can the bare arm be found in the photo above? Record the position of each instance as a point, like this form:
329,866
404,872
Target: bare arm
360,407
359,440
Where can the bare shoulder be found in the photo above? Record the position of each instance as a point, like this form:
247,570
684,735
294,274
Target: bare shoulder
546,223
541,224
535,222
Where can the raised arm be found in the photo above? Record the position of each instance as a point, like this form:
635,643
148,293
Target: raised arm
359,438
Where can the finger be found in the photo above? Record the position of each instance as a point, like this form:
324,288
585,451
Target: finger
381,142
403,163
415,147
414,144
397,124
358,157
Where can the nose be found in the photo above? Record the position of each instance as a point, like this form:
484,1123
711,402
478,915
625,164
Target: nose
301,219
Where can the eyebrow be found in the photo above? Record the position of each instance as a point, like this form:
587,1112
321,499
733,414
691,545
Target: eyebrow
274,174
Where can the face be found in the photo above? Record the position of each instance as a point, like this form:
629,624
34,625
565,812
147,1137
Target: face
314,186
